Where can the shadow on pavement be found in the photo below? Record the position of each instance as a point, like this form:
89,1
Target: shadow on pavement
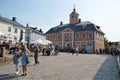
9,76
29,65
108,70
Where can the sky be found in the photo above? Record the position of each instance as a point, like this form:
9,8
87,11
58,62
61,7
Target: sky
46,14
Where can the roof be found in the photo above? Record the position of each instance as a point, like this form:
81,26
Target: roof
83,26
35,31
10,21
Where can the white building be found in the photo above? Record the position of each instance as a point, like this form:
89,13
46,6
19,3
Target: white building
33,34
12,29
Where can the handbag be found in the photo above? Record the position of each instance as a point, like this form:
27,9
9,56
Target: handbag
27,60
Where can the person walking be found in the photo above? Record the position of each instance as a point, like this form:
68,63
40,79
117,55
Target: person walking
77,50
52,50
36,49
72,50
25,59
56,50
16,57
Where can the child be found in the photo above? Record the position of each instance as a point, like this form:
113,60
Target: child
25,53
16,57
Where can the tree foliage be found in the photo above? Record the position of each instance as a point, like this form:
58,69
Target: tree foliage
106,43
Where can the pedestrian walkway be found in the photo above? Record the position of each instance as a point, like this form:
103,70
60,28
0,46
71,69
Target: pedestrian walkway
66,67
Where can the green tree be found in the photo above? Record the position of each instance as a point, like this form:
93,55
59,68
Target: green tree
106,43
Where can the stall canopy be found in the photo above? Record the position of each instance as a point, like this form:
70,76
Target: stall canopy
38,41
1,33
43,42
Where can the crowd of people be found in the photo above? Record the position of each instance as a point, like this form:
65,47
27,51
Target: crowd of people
22,50
112,51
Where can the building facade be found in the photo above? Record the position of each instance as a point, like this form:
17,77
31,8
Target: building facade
12,29
33,34
114,44
85,35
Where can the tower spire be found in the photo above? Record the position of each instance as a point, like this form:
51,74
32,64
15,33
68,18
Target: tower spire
74,8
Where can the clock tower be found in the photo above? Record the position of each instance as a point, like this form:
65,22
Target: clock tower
74,17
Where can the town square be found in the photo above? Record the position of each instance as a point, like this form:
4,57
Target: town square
59,40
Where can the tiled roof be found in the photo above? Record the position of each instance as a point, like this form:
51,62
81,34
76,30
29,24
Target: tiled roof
83,26
10,21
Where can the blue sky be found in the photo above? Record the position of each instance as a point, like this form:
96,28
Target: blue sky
46,14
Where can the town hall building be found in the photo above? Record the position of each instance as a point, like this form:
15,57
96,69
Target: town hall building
85,35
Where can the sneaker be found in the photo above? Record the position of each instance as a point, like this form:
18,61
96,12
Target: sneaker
38,62
25,74
17,72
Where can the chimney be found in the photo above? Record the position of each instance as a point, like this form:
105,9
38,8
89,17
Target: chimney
98,27
35,28
13,18
61,23
79,20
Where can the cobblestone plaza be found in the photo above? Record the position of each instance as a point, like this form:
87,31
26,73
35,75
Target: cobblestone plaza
66,67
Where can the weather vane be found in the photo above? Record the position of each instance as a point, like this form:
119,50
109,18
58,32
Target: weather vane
74,6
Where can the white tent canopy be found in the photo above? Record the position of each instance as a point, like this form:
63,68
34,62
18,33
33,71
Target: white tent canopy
43,42
46,42
38,41
1,33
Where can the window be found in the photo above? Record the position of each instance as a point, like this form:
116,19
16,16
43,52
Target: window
65,37
15,30
83,35
70,37
48,37
59,37
72,16
15,38
90,35
53,37
9,29
77,36
76,17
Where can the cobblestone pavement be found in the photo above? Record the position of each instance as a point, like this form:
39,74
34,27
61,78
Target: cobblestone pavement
66,67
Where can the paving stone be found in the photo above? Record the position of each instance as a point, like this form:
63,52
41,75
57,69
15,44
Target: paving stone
66,67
